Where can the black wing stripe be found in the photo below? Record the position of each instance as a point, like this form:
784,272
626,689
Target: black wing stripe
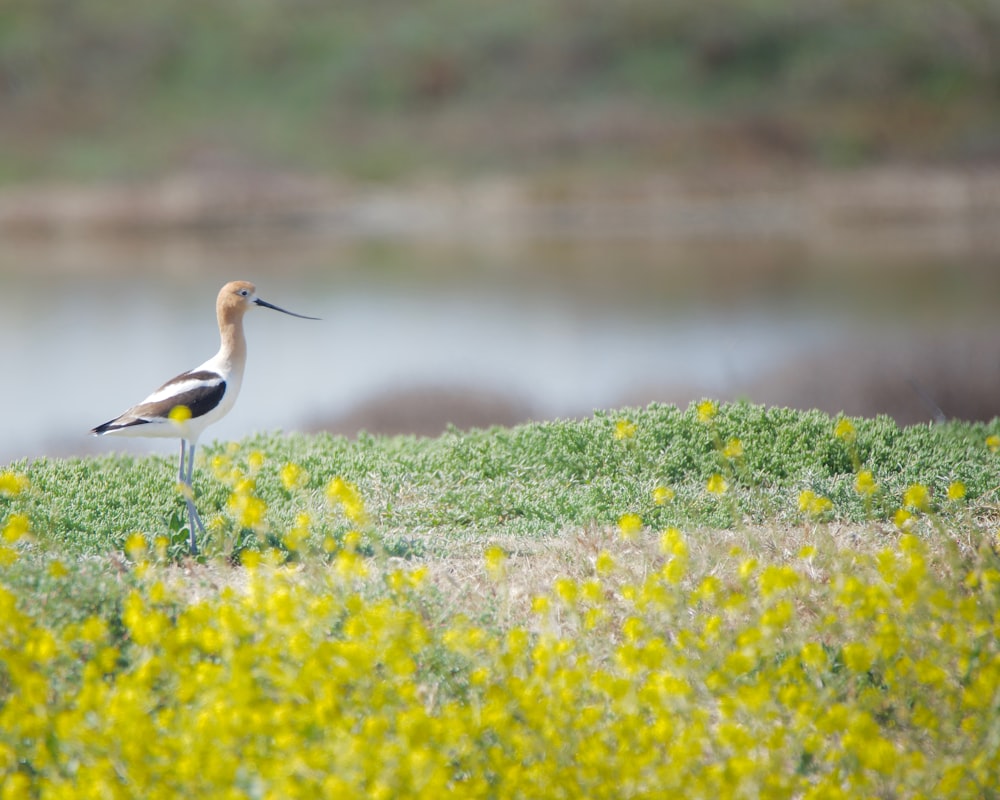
116,424
203,375
199,401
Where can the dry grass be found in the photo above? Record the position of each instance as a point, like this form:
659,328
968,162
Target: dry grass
464,586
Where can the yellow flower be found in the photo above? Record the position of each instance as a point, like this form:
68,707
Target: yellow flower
865,484
604,563
57,570
93,630
674,546
813,504
733,449
256,460
293,476
593,618
135,546
708,591
349,564
12,483
956,490
633,629
813,655
17,526
418,577
777,579
707,410
15,785
567,590
845,430
993,443
747,568
672,543
352,541
496,562
180,413
160,544
296,537
248,509
717,484
858,656
347,496
902,519
629,525
663,495
540,604
223,469
624,429
917,497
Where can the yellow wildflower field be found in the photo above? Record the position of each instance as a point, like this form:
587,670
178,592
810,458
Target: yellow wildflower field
817,658
618,667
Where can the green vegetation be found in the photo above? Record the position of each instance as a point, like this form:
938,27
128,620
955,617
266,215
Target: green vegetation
729,600
531,481
379,89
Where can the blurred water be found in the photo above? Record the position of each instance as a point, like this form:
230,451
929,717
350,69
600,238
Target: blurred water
557,328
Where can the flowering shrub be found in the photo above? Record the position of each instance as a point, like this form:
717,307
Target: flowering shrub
834,674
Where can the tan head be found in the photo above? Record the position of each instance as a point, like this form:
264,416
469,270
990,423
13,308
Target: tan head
238,297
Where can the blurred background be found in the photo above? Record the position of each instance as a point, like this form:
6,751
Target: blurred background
502,211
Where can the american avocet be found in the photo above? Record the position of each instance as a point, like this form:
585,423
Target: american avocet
184,406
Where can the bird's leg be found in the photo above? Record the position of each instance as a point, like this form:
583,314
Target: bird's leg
193,517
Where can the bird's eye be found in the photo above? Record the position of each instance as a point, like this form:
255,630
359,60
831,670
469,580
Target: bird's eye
244,293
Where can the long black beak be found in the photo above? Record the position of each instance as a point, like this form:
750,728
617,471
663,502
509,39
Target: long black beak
265,304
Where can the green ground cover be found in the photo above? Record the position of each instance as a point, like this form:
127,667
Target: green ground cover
533,480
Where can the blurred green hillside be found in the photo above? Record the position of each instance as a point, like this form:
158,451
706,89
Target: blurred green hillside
381,88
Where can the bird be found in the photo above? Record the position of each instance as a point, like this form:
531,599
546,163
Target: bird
187,404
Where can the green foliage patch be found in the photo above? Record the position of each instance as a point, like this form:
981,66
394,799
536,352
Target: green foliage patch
532,480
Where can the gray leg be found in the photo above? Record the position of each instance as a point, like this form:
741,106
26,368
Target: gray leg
193,518
190,471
